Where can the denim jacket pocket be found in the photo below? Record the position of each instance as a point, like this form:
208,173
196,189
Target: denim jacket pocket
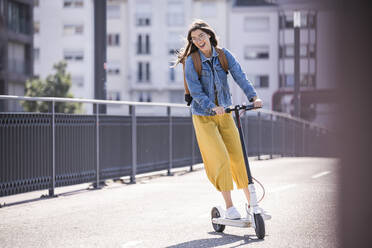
205,73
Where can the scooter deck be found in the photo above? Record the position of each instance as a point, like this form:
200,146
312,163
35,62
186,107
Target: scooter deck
243,222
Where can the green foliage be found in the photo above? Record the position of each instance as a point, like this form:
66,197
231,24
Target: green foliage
55,85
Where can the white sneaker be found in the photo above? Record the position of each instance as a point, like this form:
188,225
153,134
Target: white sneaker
232,213
265,215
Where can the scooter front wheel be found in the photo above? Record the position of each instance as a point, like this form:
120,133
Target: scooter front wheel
260,226
216,214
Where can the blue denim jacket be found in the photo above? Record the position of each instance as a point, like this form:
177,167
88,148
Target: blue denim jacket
203,90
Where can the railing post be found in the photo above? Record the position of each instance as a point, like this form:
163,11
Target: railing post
97,146
170,141
303,138
294,138
51,190
259,135
132,110
272,136
283,138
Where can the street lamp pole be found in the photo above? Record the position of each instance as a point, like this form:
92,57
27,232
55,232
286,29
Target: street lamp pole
100,53
296,97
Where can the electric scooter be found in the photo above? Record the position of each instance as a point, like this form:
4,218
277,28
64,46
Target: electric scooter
218,213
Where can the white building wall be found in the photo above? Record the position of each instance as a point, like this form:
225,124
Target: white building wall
163,33
215,13
52,41
241,38
117,55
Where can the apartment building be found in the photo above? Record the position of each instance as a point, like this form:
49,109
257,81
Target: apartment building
63,30
16,44
264,44
253,34
144,35
156,31
117,54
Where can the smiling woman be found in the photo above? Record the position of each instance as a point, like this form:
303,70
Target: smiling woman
217,135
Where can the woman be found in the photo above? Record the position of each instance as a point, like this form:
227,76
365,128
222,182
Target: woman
217,135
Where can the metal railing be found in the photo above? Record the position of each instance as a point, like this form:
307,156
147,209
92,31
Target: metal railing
48,150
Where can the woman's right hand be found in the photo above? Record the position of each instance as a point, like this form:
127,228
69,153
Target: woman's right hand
219,110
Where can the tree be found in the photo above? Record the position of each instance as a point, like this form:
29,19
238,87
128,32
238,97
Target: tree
55,85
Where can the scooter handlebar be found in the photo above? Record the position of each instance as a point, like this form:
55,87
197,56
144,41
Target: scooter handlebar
240,107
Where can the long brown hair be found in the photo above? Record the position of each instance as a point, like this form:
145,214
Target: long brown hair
189,47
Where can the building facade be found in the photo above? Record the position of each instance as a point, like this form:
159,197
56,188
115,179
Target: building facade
16,46
253,35
63,30
144,35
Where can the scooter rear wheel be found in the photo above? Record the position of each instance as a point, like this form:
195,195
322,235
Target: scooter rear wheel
216,214
260,226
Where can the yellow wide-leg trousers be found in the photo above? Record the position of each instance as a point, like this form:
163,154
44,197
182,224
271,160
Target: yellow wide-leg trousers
221,151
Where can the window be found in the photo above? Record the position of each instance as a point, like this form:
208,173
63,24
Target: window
286,80
288,21
16,58
113,95
143,44
113,39
144,96
2,12
77,80
36,54
259,81
306,50
143,72
73,3
308,20
18,17
306,80
143,19
256,24
36,27
175,15
174,42
113,68
71,29
256,52
113,11
73,55
172,73
2,56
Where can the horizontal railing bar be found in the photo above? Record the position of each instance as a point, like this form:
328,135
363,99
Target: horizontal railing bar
82,100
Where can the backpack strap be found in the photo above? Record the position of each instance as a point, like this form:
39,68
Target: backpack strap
223,60
198,68
197,62
187,91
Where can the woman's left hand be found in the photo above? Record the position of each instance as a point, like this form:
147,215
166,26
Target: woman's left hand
258,103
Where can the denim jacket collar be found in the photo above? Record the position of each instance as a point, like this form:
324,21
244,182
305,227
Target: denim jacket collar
202,56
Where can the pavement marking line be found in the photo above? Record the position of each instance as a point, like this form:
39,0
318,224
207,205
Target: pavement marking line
282,188
131,244
320,174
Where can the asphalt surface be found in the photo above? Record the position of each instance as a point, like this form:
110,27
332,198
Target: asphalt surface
174,211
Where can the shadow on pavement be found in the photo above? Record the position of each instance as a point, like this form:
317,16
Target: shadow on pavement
224,239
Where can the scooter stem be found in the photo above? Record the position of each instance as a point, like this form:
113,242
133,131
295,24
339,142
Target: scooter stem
237,116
